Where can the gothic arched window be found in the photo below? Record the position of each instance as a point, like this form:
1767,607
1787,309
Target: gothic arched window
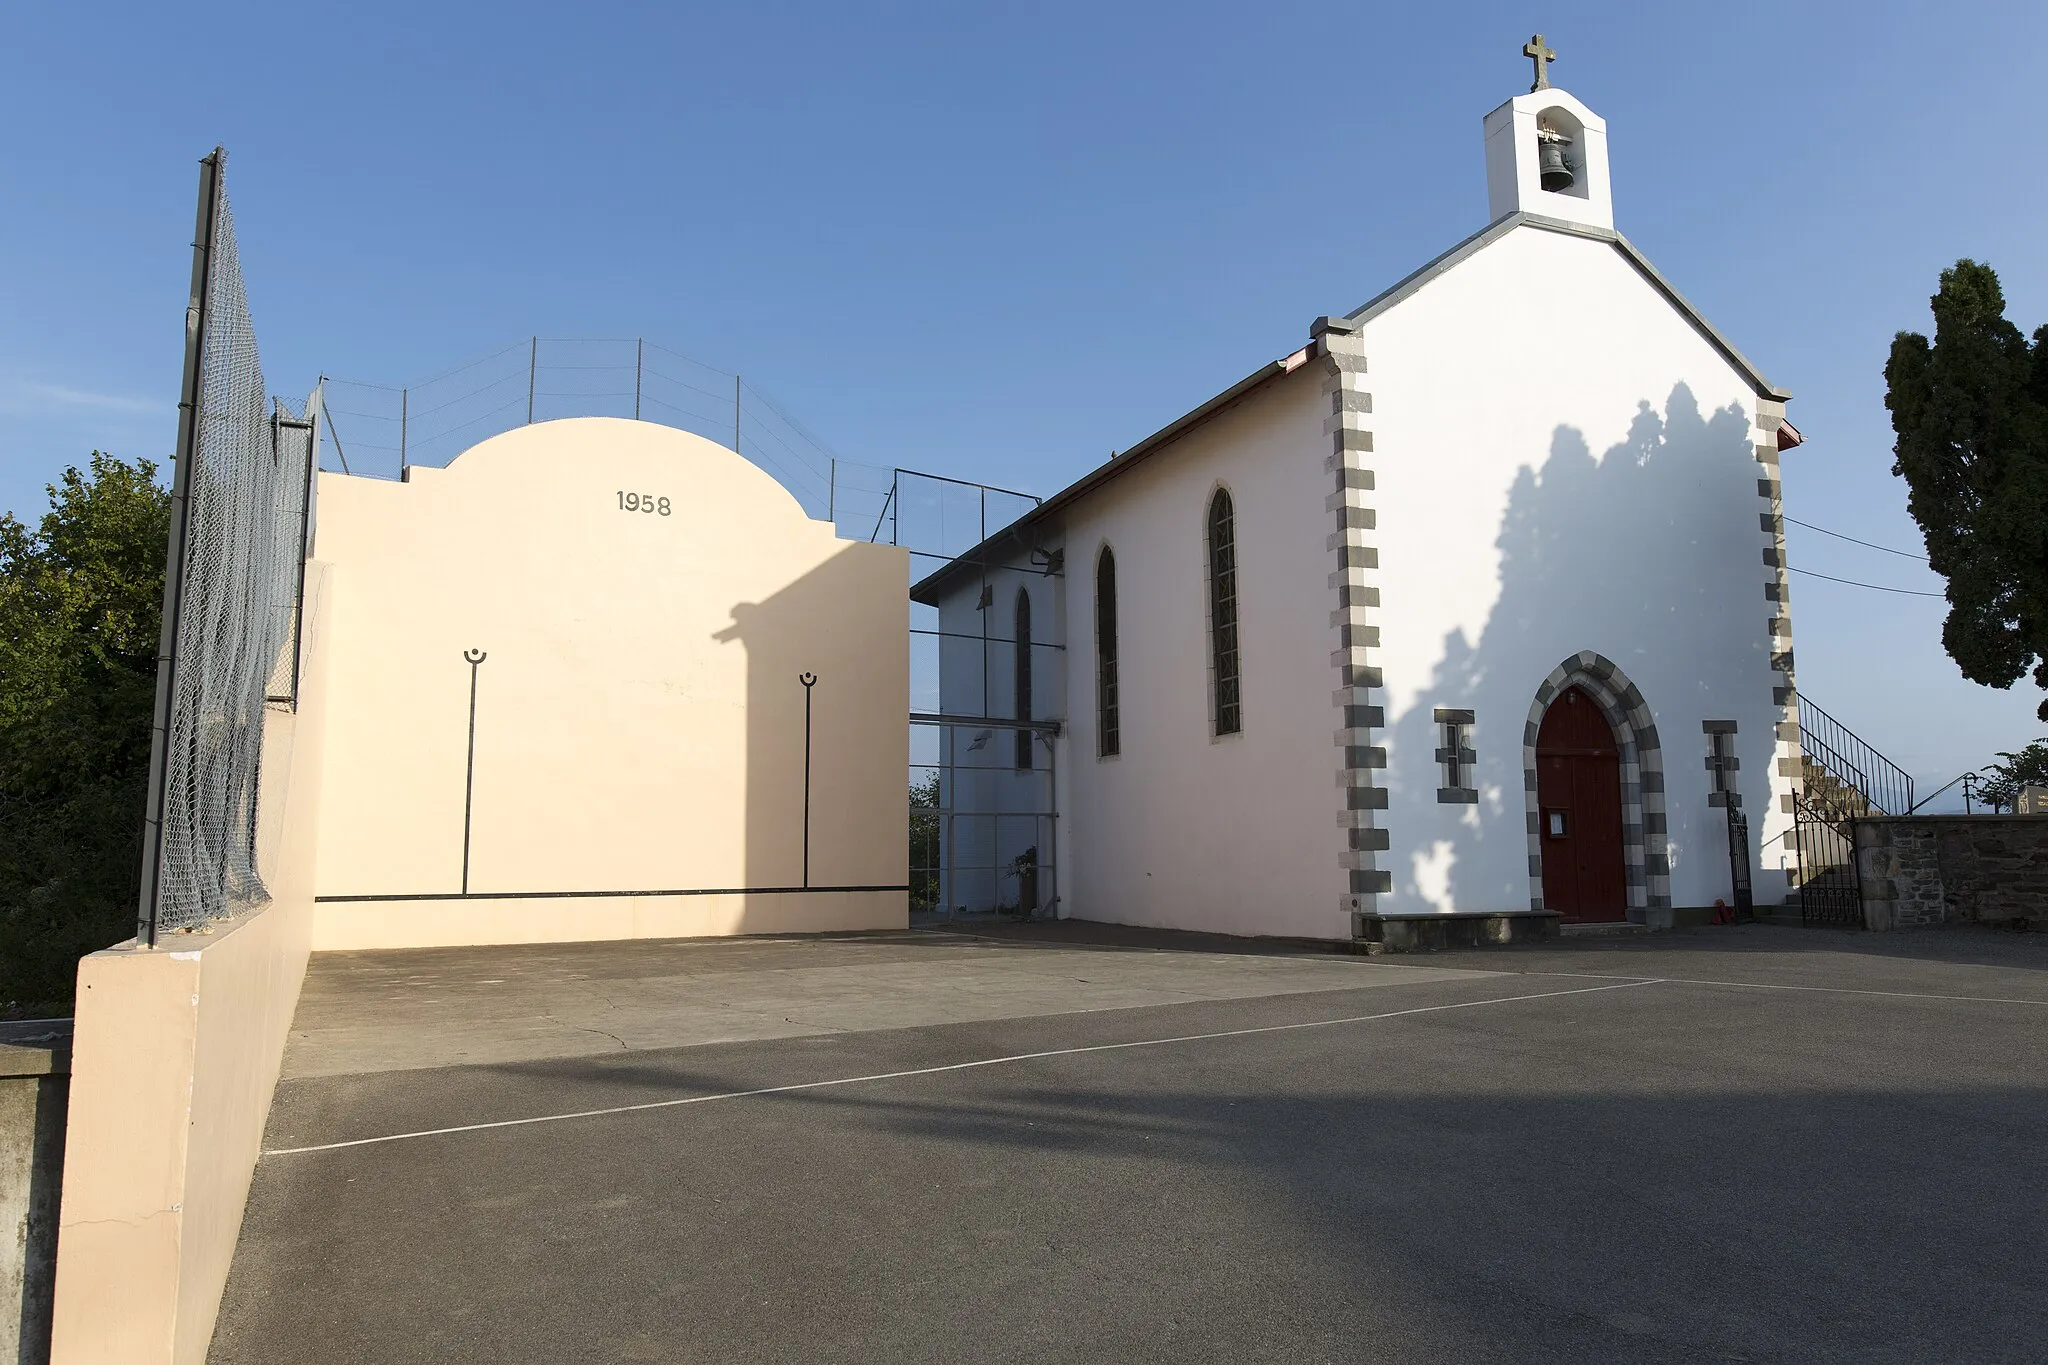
1108,739
1223,661
1023,651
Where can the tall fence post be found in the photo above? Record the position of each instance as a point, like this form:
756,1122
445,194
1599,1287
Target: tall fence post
986,600
1050,823
532,368
832,494
174,556
404,408
305,542
949,779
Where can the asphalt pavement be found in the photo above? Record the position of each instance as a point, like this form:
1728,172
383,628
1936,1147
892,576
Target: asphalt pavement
1720,1144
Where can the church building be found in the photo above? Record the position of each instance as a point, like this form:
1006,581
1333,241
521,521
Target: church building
1451,611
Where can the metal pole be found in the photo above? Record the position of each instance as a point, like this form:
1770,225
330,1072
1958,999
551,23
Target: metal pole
886,503
305,549
174,554
332,430
736,414
639,364
832,494
532,365
475,658
1052,820
988,602
809,680
404,404
951,777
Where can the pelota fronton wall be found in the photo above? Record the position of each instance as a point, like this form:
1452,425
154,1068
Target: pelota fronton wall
1935,869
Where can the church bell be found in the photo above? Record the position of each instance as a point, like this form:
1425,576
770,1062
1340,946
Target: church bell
1554,171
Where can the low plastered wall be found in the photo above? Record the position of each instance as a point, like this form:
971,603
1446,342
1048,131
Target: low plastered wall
176,1053
35,1079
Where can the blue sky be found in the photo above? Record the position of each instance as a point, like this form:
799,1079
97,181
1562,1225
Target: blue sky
1000,241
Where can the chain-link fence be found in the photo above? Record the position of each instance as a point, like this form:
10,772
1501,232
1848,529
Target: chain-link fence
984,835
382,430
240,505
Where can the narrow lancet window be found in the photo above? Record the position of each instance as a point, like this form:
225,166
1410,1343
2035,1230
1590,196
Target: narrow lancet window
1023,675
1108,739
1223,613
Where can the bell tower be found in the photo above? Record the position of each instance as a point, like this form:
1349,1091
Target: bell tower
1546,153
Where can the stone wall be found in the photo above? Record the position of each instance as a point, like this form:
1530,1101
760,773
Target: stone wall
35,1083
1932,869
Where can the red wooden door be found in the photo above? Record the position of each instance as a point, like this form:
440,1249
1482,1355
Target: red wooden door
1578,802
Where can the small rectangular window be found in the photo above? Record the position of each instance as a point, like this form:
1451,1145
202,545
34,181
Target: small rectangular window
1722,763
1456,757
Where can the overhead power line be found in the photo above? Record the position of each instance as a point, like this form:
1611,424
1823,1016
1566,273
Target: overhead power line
1903,554
1874,587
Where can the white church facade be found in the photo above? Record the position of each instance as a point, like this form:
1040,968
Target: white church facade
1450,611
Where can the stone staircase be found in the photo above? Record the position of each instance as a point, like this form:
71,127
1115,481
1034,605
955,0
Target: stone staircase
1842,780
1828,794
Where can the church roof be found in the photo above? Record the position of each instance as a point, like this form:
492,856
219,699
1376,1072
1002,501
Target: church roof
1502,226
1005,543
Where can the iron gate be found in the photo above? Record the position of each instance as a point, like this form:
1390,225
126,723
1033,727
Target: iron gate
1738,866
1830,892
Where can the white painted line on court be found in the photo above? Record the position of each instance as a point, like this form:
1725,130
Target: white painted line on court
1771,986
953,1066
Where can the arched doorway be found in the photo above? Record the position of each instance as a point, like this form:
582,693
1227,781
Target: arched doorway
1578,803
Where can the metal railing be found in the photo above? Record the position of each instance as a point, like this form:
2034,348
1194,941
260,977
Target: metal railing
1879,786
1842,778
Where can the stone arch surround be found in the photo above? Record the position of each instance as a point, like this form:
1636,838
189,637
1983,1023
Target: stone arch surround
1644,825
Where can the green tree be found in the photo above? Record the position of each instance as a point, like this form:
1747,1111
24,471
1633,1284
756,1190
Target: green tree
1971,412
2001,783
81,602
924,844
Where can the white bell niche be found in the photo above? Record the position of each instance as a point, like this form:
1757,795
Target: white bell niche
1519,133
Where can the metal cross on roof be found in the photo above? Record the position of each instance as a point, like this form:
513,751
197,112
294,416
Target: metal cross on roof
1536,52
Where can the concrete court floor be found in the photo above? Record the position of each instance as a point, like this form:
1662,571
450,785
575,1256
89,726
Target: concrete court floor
1719,1144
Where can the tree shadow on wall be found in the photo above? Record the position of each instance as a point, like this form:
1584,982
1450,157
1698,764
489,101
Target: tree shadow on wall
1648,552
